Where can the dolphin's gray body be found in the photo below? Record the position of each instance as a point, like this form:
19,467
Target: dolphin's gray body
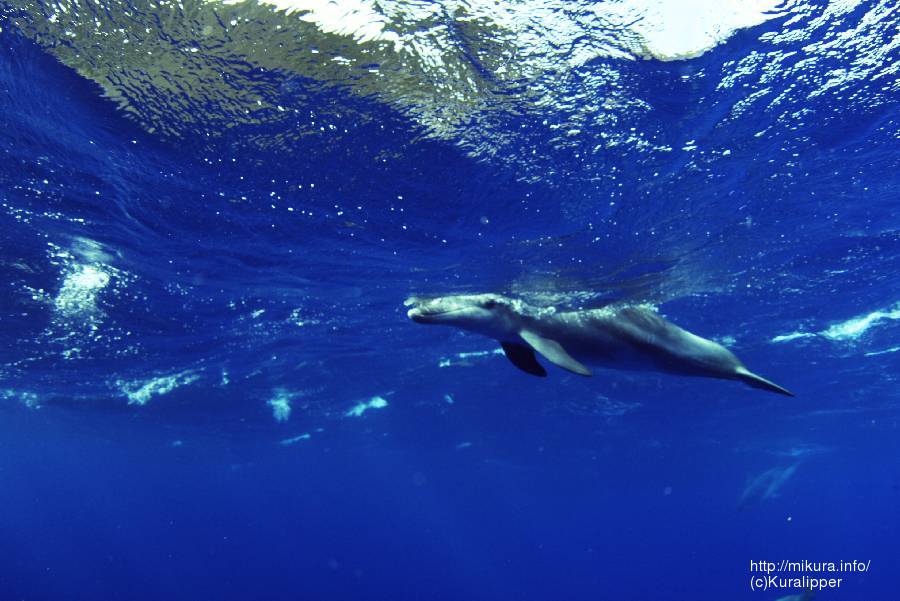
623,337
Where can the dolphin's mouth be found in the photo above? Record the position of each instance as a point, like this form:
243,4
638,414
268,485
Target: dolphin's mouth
421,312
422,315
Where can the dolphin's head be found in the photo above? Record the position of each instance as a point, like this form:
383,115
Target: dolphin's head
488,314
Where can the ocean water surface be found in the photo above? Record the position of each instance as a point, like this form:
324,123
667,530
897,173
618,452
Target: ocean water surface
212,211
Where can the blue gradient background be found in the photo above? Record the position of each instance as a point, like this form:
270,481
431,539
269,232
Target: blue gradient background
623,487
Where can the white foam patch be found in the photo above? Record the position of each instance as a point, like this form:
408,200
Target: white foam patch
359,19
850,329
376,402
466,357
801,450
295,439
29,399
281,405
614,408
90,251
681,29
662,29
450,65
856,327
79,291
792,336
139,392
886,351
725,340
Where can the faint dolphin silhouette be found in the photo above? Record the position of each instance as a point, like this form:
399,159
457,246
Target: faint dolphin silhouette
804,596
766,485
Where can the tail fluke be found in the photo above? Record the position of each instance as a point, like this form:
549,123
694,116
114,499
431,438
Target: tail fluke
755,381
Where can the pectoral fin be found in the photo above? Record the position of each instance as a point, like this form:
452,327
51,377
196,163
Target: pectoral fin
522,356
554,352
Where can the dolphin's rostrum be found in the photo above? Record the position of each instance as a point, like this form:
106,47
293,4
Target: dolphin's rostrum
624,337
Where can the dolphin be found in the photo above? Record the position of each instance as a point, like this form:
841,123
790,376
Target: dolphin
766,485
804,596
624,337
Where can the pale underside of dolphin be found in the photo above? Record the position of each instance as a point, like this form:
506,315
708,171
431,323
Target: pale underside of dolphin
619,337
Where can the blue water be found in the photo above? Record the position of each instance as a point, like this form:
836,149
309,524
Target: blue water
209,388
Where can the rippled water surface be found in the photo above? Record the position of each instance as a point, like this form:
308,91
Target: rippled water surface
211,213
